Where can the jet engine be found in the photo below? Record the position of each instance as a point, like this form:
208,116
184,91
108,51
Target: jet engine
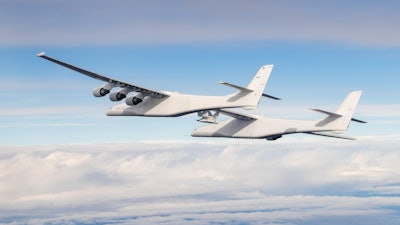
117,96
100,92
134,100
103,90
121,94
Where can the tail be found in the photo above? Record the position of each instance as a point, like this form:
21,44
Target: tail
255,89
346,109
339,121
259,81
257,86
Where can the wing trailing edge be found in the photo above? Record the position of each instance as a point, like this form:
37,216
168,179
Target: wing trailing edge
330,135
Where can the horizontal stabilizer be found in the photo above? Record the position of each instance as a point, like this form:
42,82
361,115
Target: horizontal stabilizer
336,115
358,121
270,96
246,90
235,86
326,112
330,135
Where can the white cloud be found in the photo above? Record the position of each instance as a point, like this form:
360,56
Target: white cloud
153,22
176,182
384,110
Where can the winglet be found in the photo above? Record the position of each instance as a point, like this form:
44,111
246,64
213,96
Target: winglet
41,54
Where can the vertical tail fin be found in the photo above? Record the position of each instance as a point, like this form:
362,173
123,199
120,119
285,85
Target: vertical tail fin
252,93
347,108
339,121
257,84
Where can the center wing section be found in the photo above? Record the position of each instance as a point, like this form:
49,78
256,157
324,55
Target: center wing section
113,82
237,115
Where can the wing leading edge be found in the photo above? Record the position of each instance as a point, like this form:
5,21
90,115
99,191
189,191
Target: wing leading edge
112,81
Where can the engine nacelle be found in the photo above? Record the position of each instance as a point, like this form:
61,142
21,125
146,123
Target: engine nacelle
134,100
117,96
100,92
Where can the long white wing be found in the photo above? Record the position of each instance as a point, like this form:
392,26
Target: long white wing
115,82
237,115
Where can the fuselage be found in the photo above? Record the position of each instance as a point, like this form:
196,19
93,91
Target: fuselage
263,127
180,104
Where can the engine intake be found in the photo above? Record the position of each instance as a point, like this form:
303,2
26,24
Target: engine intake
117,96
134,100
100,92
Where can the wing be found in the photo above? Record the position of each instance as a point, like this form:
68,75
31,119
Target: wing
329,135
112,81
237,115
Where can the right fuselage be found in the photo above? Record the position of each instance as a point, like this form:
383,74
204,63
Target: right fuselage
263,127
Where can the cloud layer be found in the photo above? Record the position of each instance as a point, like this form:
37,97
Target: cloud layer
309,181
154,22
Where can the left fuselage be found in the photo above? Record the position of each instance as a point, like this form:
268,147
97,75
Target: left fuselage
180,104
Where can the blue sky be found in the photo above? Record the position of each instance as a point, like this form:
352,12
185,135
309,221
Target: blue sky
52,128
321,51
47,102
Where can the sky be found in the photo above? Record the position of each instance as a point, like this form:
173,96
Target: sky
63,161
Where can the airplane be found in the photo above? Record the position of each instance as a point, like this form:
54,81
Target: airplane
147,102
263,127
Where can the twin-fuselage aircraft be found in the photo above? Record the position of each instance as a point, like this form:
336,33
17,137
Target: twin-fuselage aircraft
151,103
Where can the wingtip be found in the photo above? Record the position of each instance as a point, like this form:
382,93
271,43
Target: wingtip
41,54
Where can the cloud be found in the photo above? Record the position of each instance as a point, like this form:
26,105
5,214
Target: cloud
153,22
388,110
245,181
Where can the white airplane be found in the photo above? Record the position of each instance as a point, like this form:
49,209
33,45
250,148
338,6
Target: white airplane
252,126
147,102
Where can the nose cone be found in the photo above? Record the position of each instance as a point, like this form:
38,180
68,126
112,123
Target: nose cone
115,111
